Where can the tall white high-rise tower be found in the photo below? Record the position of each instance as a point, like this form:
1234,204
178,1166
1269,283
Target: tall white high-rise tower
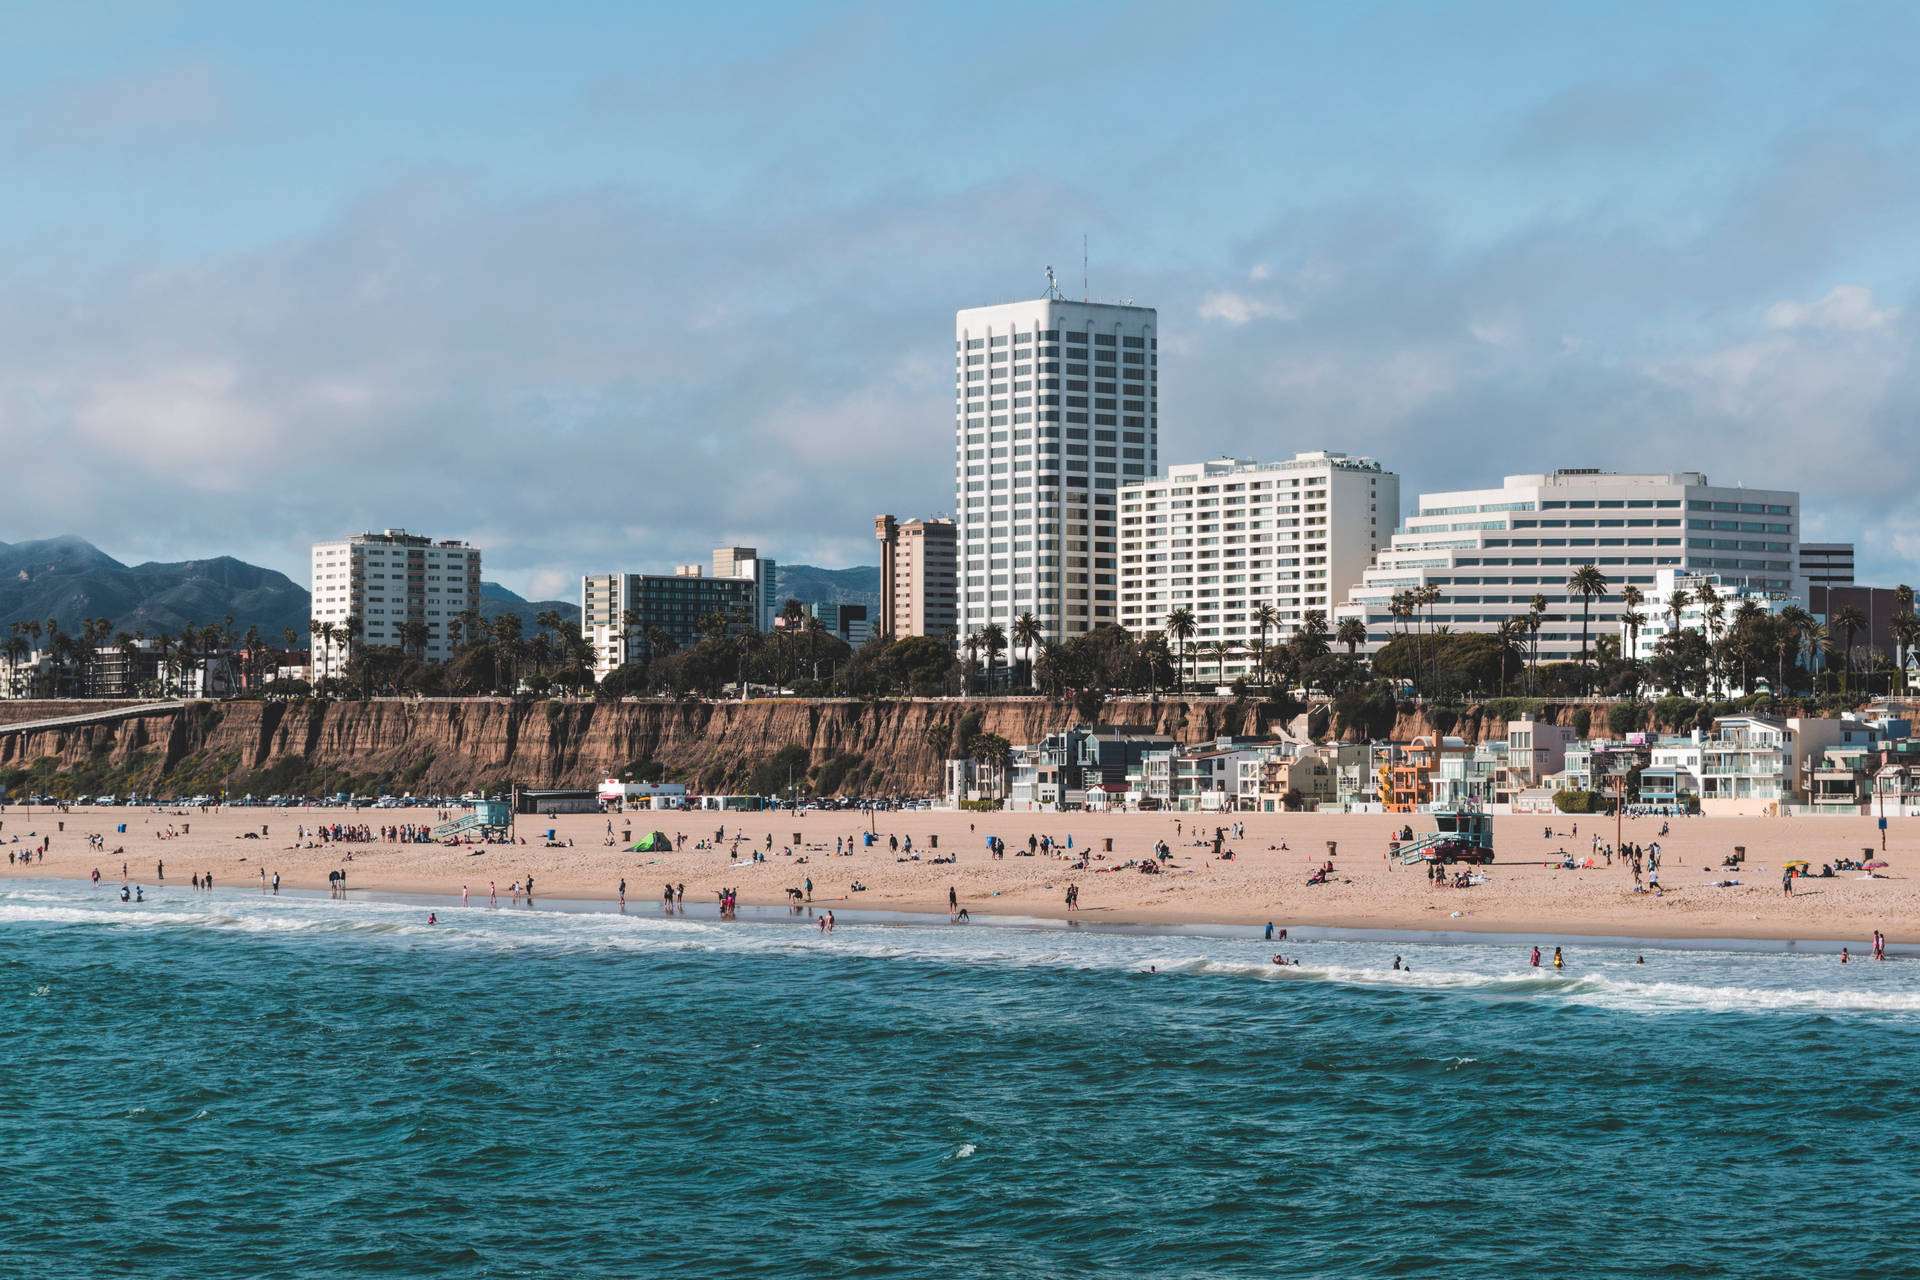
1056,405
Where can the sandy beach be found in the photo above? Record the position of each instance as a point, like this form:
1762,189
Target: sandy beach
1266,880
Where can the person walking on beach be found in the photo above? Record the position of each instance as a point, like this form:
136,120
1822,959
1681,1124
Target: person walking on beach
623,893
809,888
953,901
493,894
1786,882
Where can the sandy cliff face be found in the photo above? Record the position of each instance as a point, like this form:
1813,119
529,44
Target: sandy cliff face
456,745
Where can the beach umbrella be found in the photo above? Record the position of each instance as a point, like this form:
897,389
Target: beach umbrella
1797,862
1875,865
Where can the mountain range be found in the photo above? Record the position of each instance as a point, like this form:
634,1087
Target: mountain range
70,579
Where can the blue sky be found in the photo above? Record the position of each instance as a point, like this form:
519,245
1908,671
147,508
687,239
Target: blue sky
601,286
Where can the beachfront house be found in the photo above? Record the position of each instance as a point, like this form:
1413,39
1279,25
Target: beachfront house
1475,778
1754,764
1536,750
1407,784
1305,779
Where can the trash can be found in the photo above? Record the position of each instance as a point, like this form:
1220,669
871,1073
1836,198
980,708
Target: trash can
549,833
933,842
122,828
1332,845
796,837
1108,842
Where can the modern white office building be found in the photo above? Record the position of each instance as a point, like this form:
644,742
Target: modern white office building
1223,538
747,562
1490,551
1055,407
387,580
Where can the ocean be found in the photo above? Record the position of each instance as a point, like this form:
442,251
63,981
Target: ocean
225,1084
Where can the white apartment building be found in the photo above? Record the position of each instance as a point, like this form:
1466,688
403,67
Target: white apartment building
1490,551
1223,538
747,562
1694,616
387,580
1055,407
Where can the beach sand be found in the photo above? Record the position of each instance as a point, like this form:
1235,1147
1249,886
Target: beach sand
1261,883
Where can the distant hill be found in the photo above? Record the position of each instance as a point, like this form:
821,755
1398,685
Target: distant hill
810,585
496,600
71,579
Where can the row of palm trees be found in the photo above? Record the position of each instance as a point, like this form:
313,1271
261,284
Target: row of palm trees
1174,646
73,655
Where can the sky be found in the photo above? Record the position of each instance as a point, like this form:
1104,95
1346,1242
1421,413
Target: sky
599,287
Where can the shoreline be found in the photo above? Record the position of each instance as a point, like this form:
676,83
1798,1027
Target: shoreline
774,913
764,855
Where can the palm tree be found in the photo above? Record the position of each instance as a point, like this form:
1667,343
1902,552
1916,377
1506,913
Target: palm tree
1181,626
1429,596
1047,667
1536,617
1849,621
1266,617
1219,651
975,643
1819,642
993,642
1352,632
1586,582
1511,632
1027,634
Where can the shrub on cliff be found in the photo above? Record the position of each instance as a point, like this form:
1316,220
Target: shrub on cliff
628,680
1582,721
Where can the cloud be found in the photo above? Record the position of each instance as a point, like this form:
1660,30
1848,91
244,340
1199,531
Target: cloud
139,108
1848,308
1611,118
1238,308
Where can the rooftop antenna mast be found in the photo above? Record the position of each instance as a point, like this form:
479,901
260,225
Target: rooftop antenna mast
1053,288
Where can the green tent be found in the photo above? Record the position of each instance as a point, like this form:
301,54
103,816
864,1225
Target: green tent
655,843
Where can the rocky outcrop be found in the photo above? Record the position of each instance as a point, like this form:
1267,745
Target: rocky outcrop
889,747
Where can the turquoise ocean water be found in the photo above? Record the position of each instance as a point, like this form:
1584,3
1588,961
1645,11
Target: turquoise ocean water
231,1085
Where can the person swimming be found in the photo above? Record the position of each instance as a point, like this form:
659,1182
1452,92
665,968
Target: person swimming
1396,962
1559,961
431,918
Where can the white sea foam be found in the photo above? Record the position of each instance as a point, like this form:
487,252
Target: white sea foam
1601,977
